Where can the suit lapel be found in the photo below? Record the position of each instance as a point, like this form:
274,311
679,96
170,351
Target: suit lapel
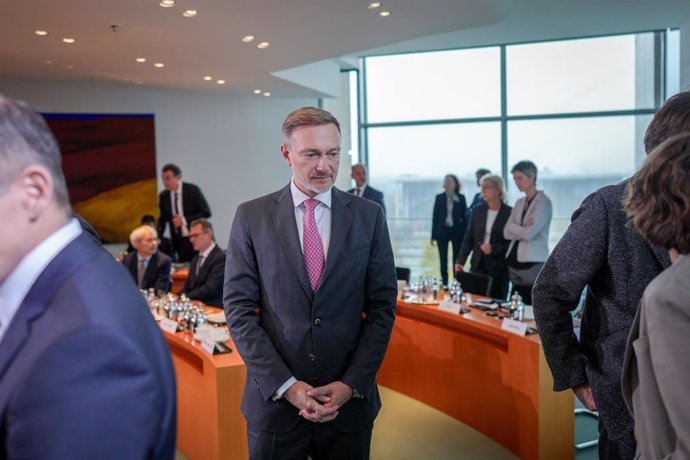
150,273
341,220
663,257
283,215
481,225
39,296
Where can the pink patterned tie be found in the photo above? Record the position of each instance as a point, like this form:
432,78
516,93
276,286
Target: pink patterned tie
313,248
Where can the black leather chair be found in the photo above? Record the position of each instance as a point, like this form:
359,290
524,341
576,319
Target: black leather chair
475,283
403,273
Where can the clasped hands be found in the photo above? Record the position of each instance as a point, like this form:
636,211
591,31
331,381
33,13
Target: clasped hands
319,404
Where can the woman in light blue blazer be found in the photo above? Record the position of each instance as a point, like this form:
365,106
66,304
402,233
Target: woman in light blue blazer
528,230
656,368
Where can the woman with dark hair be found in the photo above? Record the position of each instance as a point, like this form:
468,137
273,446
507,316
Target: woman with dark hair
448,222
528,230
656,368
484,237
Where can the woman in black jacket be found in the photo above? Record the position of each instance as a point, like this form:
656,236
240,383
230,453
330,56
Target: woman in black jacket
448,224
484,237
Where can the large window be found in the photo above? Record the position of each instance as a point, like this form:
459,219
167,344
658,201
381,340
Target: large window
577,108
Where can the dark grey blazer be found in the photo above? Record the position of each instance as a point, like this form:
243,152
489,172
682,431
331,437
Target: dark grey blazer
317,338
206,285
600,252
370,193
157,274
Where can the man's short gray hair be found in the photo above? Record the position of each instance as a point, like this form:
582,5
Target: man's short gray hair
306,116
25,139
139,233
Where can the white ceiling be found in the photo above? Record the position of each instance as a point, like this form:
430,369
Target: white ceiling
300,32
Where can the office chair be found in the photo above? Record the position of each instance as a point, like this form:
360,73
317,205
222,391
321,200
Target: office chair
475,283
403,273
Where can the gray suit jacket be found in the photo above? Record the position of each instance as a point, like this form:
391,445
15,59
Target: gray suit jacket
656,368
370,193
282,329
600,252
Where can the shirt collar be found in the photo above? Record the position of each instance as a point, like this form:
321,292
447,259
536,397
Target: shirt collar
179,188
208,250
299,197
145,259
18,284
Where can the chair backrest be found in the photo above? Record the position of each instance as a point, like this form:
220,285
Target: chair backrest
403,273
475,283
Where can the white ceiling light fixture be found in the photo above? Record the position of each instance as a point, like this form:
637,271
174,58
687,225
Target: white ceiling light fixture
190,13
41,33
48,62
385,14
69,40
267,94
141,59
248,38
263,45
220,82
167,3
374,5
159,65
257,91
208,78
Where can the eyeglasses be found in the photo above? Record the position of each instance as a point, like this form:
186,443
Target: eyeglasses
149,240
195,235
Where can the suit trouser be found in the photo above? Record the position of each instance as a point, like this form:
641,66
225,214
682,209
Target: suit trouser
448,235
616,449
320,441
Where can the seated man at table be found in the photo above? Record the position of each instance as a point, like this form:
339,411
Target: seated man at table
206,271
149,267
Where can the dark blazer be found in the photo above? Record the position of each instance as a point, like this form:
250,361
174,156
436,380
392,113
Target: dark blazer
84,370
656,367
207,285
193,203
600,252
439,216
494,264
317,338
372,194
157,274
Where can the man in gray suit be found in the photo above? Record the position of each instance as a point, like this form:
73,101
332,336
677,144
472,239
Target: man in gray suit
600,252
309,296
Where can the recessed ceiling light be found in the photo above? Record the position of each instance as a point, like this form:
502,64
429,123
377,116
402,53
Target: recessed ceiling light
208,78
190,13
48,62
42,33
160,65
220,82
141,59
69,66
167,3
257,91
263,45
267,94
385,13
374,5
68,40
248,38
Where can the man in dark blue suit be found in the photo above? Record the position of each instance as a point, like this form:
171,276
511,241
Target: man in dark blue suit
310,291
206,271
84,371
149,267
359,174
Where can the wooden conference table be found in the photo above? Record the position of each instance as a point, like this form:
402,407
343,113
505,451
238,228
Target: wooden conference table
492,380
464,365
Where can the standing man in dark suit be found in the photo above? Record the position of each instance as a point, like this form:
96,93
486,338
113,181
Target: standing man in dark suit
359,174
206,271
601,252
149,267
179,204
84,370
310,292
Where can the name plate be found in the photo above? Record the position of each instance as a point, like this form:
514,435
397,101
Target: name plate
168,325
516,327
450,307
208,345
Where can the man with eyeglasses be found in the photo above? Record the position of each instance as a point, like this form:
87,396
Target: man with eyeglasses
149,267
206,271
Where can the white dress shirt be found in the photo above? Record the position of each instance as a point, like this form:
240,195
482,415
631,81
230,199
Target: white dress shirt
25,274
183,230
322,214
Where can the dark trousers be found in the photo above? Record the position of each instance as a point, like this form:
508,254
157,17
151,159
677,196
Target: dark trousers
448,235
616,449
499,284
319,441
